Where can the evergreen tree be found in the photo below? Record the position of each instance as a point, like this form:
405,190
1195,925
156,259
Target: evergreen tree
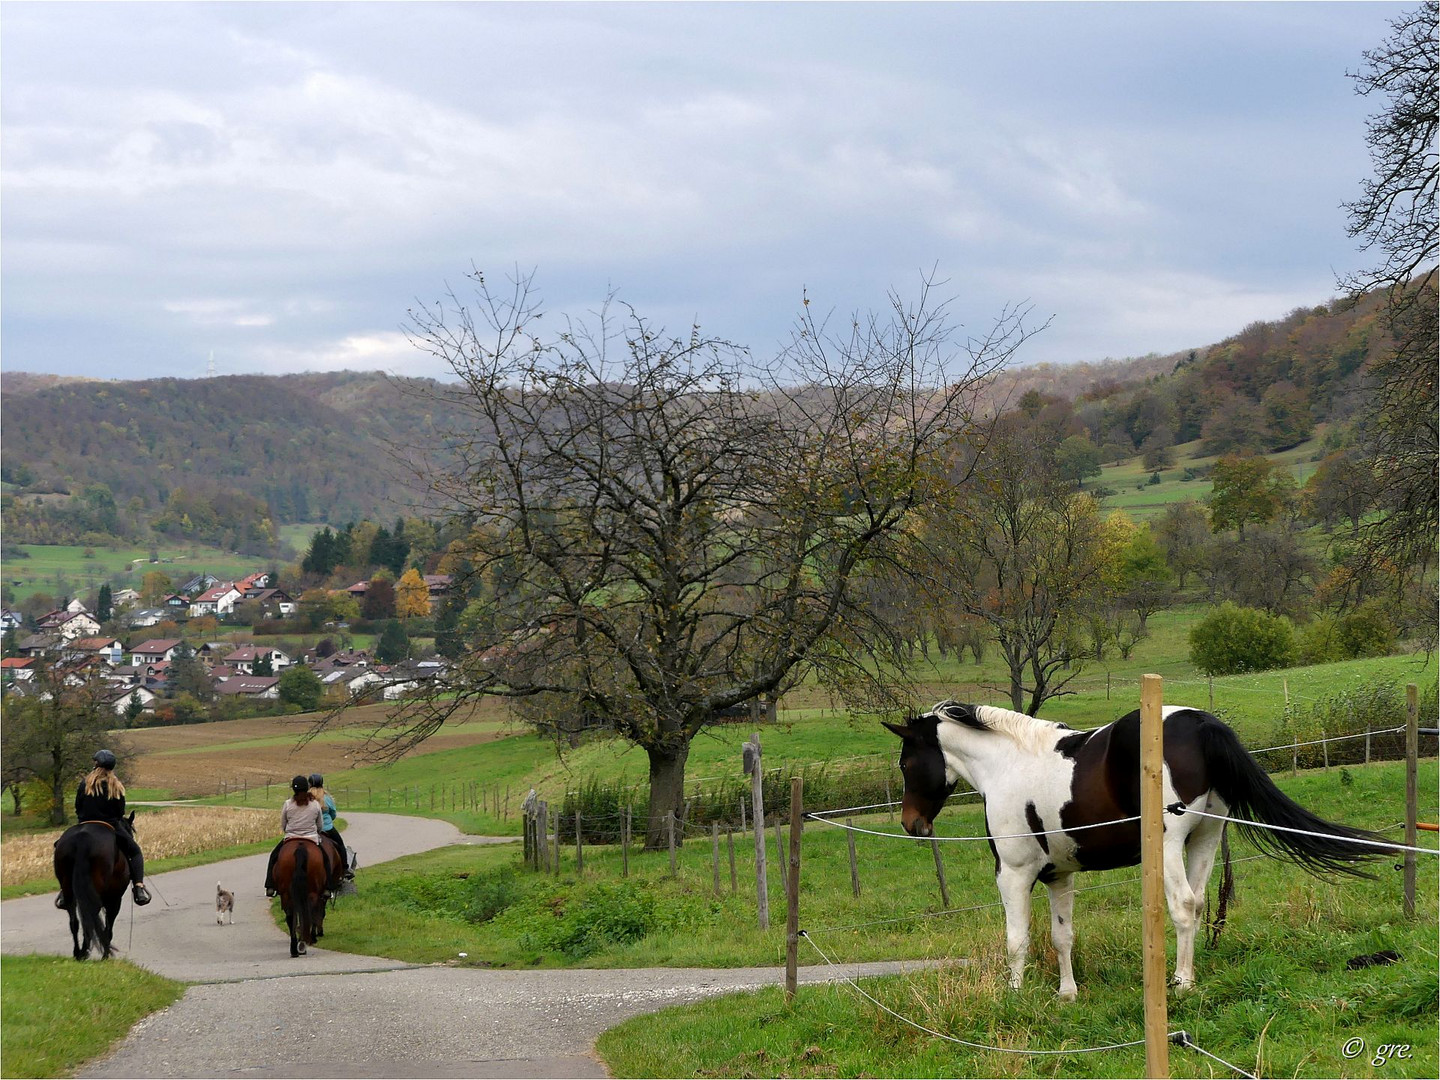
188,675
102,605
394,643
263,666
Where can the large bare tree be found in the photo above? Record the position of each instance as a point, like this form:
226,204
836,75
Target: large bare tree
1396,217
663,527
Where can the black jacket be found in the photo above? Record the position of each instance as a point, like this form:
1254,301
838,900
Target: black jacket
98,807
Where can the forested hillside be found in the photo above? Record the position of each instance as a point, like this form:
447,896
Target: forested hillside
193,456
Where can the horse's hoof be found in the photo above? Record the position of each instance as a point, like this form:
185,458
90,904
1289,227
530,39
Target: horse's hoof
302,948
1066,995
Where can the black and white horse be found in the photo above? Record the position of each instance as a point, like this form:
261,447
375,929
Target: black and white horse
1045,785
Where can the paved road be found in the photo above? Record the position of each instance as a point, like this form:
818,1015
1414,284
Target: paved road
258,1012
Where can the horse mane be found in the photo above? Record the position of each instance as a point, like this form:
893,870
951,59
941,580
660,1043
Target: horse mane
1028,732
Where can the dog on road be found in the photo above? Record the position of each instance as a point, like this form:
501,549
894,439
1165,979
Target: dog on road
224,906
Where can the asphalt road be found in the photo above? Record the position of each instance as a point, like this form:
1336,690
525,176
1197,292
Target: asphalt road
255,1011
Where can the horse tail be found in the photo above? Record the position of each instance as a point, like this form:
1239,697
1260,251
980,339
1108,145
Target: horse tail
1322,847
300,891
87,899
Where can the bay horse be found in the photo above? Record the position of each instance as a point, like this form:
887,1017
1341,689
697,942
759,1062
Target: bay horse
301,873
1056,802
93,876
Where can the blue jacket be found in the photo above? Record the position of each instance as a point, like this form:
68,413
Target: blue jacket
327,814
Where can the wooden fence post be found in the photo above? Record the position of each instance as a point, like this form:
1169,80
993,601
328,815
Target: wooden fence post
757,805
854,866
742,815
730,845
792,889
1325,748
715,854
542,836
1412,802
557,843
889,800
625,846
670,827
940,873
579,852
1152,875
780,853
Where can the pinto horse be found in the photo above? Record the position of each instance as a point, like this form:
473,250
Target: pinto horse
1057,800
301,873
93,876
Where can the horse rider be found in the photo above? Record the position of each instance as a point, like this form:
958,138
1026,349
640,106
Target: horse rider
101,797
328,813
299,818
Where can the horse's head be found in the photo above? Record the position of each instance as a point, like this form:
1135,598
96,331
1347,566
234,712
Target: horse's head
923,765
130,820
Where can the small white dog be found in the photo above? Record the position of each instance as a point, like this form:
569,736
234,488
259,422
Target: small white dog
224,906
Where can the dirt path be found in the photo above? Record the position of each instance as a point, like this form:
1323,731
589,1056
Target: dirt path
255,1012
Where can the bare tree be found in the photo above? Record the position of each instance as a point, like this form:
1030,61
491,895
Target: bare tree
1025,554
1396,216
53,730
665,528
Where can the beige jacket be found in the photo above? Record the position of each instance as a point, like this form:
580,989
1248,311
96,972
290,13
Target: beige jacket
301,821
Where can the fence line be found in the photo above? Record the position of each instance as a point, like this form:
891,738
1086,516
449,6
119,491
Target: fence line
1180,808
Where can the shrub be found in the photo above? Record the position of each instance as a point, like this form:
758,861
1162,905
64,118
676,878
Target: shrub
1366,631
1231,640
1368,706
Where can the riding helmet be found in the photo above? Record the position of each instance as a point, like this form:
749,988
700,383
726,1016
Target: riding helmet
105,759
316,780
299,784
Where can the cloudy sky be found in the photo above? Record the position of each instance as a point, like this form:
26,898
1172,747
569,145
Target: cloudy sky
277,183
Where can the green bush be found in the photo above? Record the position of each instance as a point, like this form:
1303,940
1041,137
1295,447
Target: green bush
581,921
1231,640
490,894
1369,630
1368,706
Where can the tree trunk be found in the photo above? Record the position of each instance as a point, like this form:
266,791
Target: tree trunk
57,789
667,792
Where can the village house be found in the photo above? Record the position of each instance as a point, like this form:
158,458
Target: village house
273,603
121,697
198,584
123,598
265,688
244,658
17,668
38,645
154,651
177,604
68,624
10,620
138,620
218,600
107,649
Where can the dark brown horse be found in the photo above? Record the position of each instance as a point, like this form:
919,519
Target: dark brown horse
93,876
301,873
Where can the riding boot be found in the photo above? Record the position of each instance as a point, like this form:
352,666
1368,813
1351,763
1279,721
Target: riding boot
140,893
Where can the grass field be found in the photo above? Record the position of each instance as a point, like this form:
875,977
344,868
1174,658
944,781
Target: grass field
59,1014
64,570
1274,989
1142,500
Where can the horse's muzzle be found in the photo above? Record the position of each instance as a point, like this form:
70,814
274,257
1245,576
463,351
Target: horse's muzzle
917,826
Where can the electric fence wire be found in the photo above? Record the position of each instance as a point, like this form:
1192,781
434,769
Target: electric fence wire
1386,845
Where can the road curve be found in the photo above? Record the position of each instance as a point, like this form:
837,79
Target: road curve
256,1012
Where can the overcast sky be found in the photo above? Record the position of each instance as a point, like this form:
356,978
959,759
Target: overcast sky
277,183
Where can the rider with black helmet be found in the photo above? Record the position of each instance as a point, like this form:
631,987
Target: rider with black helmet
101,797
328,813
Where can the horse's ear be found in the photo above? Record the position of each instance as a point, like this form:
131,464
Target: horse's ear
903,731
131,817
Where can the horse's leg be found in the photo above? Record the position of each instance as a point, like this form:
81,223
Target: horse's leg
1062,929
1184,911
290,925
1200,850
80,951
112,909
1015,886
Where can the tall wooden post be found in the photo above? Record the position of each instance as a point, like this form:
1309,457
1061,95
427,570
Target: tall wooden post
625,846
757,817
1152,875
940,873
792,891
542,837
1412,801
715,854
780,854
854,866
579,850
670,831
730,845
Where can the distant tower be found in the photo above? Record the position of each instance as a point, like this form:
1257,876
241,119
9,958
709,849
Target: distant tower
210,367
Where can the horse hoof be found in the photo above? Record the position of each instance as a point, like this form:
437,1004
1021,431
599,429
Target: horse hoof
1066,995
302,948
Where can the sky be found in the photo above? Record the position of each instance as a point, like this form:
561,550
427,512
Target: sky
274,185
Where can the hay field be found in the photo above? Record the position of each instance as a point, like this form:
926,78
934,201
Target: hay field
197,760
176,830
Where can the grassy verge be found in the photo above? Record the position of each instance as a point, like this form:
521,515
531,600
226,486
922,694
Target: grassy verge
59,1014
1275,995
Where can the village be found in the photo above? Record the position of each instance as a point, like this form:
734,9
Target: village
138,672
